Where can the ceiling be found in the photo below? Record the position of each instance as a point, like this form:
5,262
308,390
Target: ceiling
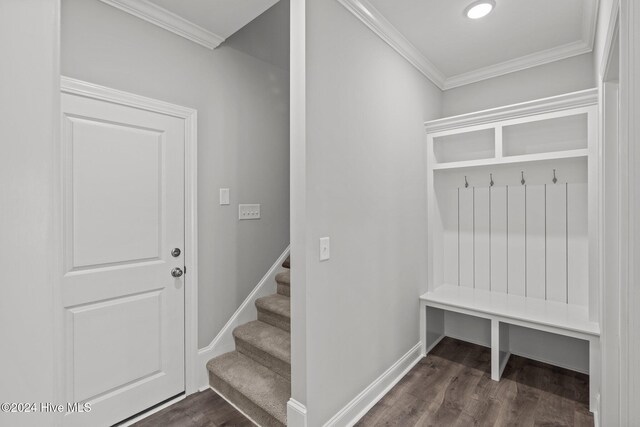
455,50
221,17
206,22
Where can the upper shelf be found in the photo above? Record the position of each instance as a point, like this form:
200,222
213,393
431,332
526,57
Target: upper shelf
526,158
548,129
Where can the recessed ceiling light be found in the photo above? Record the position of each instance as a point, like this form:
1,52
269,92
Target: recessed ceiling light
479,9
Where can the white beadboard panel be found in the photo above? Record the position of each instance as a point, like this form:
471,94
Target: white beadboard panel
498,224
449,204
465,213
577,244
482,246
535,240
516,247
556,214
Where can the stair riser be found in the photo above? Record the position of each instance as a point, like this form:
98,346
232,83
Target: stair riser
274,319
284,290
278,366
245,405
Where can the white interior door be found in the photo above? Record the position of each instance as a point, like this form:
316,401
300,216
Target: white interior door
123,215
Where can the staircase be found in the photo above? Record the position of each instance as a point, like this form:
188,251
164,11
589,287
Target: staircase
256,377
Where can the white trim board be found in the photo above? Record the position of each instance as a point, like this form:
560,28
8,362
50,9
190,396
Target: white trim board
163,18
363,402
190,116
379,24
296,414
566,101
224,342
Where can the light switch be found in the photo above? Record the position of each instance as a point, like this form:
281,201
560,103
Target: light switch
224,196
249,211
325,248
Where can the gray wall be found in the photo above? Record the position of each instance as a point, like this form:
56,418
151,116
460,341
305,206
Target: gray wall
30,111
243,133
365,189
555,78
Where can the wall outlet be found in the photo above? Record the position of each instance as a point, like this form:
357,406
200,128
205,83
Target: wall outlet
325,248
249,211
224,196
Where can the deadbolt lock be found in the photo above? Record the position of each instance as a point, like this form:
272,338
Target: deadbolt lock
175,252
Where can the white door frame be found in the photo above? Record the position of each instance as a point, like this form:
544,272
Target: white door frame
190,117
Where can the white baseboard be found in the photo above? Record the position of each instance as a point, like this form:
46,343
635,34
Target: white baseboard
296,414
233,404
224,342
358,407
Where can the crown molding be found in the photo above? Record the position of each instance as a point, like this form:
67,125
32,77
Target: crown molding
528,61
163,18
583,98
376,21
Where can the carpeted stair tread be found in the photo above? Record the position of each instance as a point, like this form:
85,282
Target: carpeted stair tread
275,310
283,280
258,391
287,262
266,344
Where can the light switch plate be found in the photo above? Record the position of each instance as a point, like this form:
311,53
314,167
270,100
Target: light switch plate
249,211
325,248
224,196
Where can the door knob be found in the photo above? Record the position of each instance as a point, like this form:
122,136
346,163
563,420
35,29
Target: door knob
177,272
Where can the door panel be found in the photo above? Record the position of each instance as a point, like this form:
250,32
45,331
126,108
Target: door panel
123,213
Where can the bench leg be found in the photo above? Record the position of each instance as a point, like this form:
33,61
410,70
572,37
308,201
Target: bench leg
423,328
499,348
594,374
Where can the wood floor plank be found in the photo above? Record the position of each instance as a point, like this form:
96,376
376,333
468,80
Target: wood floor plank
452,386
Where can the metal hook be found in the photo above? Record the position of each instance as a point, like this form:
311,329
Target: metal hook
466,183
554,177
522,181
491,180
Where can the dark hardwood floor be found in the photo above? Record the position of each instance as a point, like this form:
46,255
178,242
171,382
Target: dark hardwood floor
204,409
450,387
453,387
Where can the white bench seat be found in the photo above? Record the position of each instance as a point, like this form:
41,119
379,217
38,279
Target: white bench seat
549,314
502,310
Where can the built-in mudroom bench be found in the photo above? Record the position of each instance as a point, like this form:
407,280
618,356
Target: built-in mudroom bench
513,226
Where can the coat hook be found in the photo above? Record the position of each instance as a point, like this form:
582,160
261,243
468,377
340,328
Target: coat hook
554,177
522,181
466,183
491,180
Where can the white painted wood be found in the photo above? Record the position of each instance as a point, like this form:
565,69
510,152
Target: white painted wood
482,246
495,350
246,312
556,214
565,319
535,242
498,225
504,347
526,111
577,244
365,400
170,21
190,117
516,244
296,414
121,164
526,158
466,260
449,205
